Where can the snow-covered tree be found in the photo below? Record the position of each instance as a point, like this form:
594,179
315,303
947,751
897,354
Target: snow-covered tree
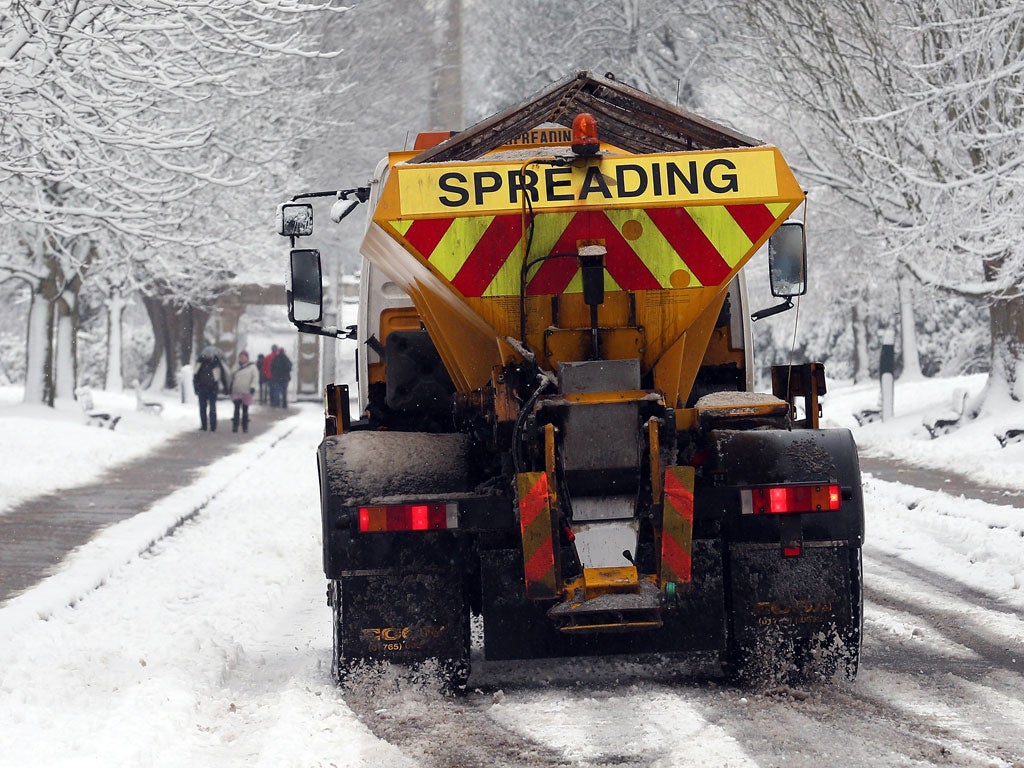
115,117
654,46
911,113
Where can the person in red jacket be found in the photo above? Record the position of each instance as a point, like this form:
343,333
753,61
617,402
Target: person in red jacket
265,372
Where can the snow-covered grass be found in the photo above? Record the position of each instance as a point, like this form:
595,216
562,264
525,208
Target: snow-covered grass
44,449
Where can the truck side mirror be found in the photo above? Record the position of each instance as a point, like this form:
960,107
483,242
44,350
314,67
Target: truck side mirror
305,299
787,260
295,219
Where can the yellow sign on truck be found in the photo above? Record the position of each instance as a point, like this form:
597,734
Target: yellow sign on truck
670,180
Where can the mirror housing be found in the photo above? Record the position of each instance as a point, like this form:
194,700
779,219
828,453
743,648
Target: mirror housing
787,260
305,295
295,219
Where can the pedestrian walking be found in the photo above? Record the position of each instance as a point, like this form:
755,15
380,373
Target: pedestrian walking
209,378
280,375
243,387
264,379
265,370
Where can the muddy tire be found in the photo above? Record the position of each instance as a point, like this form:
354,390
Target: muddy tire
340,665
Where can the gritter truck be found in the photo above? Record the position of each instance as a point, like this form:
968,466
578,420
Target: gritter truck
557,429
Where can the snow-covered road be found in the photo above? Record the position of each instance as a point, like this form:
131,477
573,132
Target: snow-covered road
212,648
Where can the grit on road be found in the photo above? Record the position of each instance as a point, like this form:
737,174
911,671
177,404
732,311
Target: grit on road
213,648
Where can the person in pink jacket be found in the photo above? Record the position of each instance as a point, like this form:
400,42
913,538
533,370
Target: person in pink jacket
244,380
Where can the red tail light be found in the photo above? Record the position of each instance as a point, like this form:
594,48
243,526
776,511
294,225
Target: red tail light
408,517
584,134
788,499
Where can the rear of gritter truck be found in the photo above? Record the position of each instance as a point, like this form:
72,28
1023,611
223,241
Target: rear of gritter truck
557,427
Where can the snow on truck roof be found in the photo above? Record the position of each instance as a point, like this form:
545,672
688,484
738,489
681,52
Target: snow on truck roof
629,119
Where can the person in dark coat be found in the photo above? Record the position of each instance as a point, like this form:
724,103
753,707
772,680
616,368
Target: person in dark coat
209,378
280,375
264,380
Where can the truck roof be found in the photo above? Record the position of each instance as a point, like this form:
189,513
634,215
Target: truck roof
629,119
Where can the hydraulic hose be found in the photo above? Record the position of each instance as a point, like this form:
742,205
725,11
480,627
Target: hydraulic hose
524,412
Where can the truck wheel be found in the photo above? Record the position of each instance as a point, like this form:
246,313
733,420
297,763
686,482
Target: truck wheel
841,656
834,651
453,674
450,666
340,665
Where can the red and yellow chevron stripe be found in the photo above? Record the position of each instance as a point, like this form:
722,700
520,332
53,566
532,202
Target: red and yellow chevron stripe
538,528
677,526
647,248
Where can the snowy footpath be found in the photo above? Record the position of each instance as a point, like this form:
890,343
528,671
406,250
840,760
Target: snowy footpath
210,646
207,648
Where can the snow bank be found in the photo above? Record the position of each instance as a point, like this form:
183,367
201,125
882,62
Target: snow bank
970,450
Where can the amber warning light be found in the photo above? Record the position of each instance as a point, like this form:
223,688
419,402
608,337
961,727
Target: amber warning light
584,134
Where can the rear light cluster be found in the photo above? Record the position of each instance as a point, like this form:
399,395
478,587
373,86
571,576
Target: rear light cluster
788,499
408,517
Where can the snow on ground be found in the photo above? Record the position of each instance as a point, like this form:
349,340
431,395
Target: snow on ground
169,662
212,647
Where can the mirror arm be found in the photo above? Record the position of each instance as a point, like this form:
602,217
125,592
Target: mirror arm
362,194
321,330
763,313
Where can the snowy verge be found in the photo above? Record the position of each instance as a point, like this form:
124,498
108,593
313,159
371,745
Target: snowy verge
971,449
973,548
29,433
87,567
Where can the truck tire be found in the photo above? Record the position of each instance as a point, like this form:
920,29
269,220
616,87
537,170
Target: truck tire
769,646
340,665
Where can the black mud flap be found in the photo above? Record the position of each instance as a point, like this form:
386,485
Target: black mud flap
405,619
794,619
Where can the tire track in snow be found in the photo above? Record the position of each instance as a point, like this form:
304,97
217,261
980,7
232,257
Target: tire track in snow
438,732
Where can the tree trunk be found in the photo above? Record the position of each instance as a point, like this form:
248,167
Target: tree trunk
38,360
116,305
861,364
1006,324
908,332
64,373
65,354
161,338
39,345
176,332
1006,328
446,99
